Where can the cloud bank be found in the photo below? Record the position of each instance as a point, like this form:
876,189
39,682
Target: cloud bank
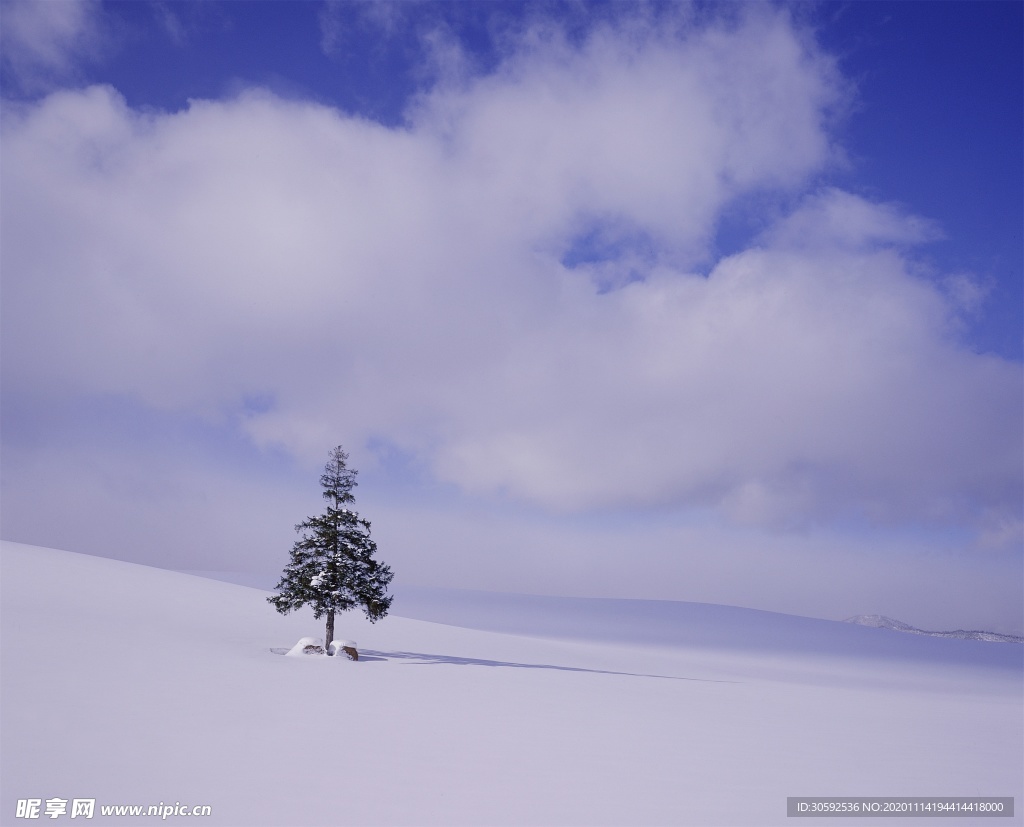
514,287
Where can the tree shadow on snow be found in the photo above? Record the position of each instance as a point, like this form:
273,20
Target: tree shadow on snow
422,659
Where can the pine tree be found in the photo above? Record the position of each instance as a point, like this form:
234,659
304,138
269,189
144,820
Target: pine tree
332,567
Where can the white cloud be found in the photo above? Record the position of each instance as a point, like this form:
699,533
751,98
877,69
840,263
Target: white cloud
782,384
171,23
407,284
639,127
43,41
340,20
967,292
836,219
331,26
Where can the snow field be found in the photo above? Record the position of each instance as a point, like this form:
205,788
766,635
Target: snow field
135,685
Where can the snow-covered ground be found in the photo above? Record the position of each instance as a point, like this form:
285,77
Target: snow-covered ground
133,685
883,622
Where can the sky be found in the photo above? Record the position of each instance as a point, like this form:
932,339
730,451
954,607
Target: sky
711,302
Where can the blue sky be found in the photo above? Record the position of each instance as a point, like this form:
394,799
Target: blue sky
704,302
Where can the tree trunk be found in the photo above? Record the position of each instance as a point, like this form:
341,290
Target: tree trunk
330,631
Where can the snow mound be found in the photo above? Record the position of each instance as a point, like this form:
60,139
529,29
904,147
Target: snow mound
344,648
305,647
314,647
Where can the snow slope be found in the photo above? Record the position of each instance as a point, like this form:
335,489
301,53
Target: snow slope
678,624
134,685
883,622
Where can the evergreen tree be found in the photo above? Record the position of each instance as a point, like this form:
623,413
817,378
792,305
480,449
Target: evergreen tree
332,567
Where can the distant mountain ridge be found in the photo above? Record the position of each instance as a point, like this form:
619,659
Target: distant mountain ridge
883,622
